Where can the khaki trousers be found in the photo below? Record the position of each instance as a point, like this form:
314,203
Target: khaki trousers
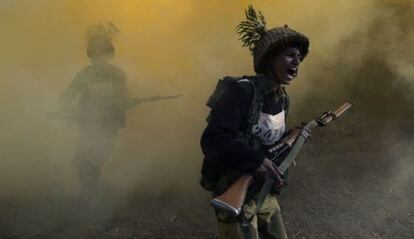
267,223
95,144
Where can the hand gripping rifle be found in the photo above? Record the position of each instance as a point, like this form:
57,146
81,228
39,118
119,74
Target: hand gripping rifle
232,199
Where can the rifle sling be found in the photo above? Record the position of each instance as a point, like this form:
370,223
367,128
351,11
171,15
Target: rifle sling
290,158
267,186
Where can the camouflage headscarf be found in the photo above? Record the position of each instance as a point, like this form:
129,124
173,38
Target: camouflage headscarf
99,39
262,42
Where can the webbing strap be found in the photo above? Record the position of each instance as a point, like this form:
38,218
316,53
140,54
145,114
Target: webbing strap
264,191
290,158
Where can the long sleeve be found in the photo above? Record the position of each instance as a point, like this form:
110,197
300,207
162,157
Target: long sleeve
72,92
219,141
122,98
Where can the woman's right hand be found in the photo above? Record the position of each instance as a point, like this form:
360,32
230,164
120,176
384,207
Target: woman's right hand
269,169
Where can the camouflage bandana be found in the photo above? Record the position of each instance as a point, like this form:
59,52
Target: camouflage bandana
262,42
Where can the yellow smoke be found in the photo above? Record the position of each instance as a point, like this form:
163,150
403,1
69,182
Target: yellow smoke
165,47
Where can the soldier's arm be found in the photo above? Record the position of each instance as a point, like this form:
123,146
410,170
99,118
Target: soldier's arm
123,100
219,141
71,93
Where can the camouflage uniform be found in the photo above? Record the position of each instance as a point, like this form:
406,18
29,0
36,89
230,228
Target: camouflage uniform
265,221
227,155
268,221
101,94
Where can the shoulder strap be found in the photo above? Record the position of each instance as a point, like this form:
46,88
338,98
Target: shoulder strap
256,103
286,100
254,88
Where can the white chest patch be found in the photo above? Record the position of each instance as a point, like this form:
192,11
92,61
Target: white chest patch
270,128
101,88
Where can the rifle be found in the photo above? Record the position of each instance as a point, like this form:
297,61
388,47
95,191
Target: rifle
136,101
232,199
73,115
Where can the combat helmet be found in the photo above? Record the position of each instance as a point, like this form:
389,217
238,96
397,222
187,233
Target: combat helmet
262,42
99,40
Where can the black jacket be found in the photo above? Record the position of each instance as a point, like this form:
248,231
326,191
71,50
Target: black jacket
219,141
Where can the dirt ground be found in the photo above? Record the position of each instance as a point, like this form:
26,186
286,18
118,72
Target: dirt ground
346,190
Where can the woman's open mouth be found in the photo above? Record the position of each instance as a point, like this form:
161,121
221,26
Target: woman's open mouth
292,72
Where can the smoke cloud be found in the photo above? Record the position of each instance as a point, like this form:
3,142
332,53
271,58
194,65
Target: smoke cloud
361,51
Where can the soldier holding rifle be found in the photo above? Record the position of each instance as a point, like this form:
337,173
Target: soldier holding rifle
248,114
96,101
247,151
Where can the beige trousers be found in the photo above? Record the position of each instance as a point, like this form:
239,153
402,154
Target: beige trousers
267,223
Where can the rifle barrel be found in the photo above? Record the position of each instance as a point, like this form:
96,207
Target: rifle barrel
342,109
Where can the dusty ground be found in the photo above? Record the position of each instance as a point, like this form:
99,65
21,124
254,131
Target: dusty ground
346,190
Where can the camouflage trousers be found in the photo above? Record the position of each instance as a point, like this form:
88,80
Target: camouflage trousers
267,223
93,149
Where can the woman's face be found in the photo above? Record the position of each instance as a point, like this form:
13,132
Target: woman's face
286,65
102,58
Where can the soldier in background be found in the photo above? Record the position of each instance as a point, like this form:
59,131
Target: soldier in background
96,99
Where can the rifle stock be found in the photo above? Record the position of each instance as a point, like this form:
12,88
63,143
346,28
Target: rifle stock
232,199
